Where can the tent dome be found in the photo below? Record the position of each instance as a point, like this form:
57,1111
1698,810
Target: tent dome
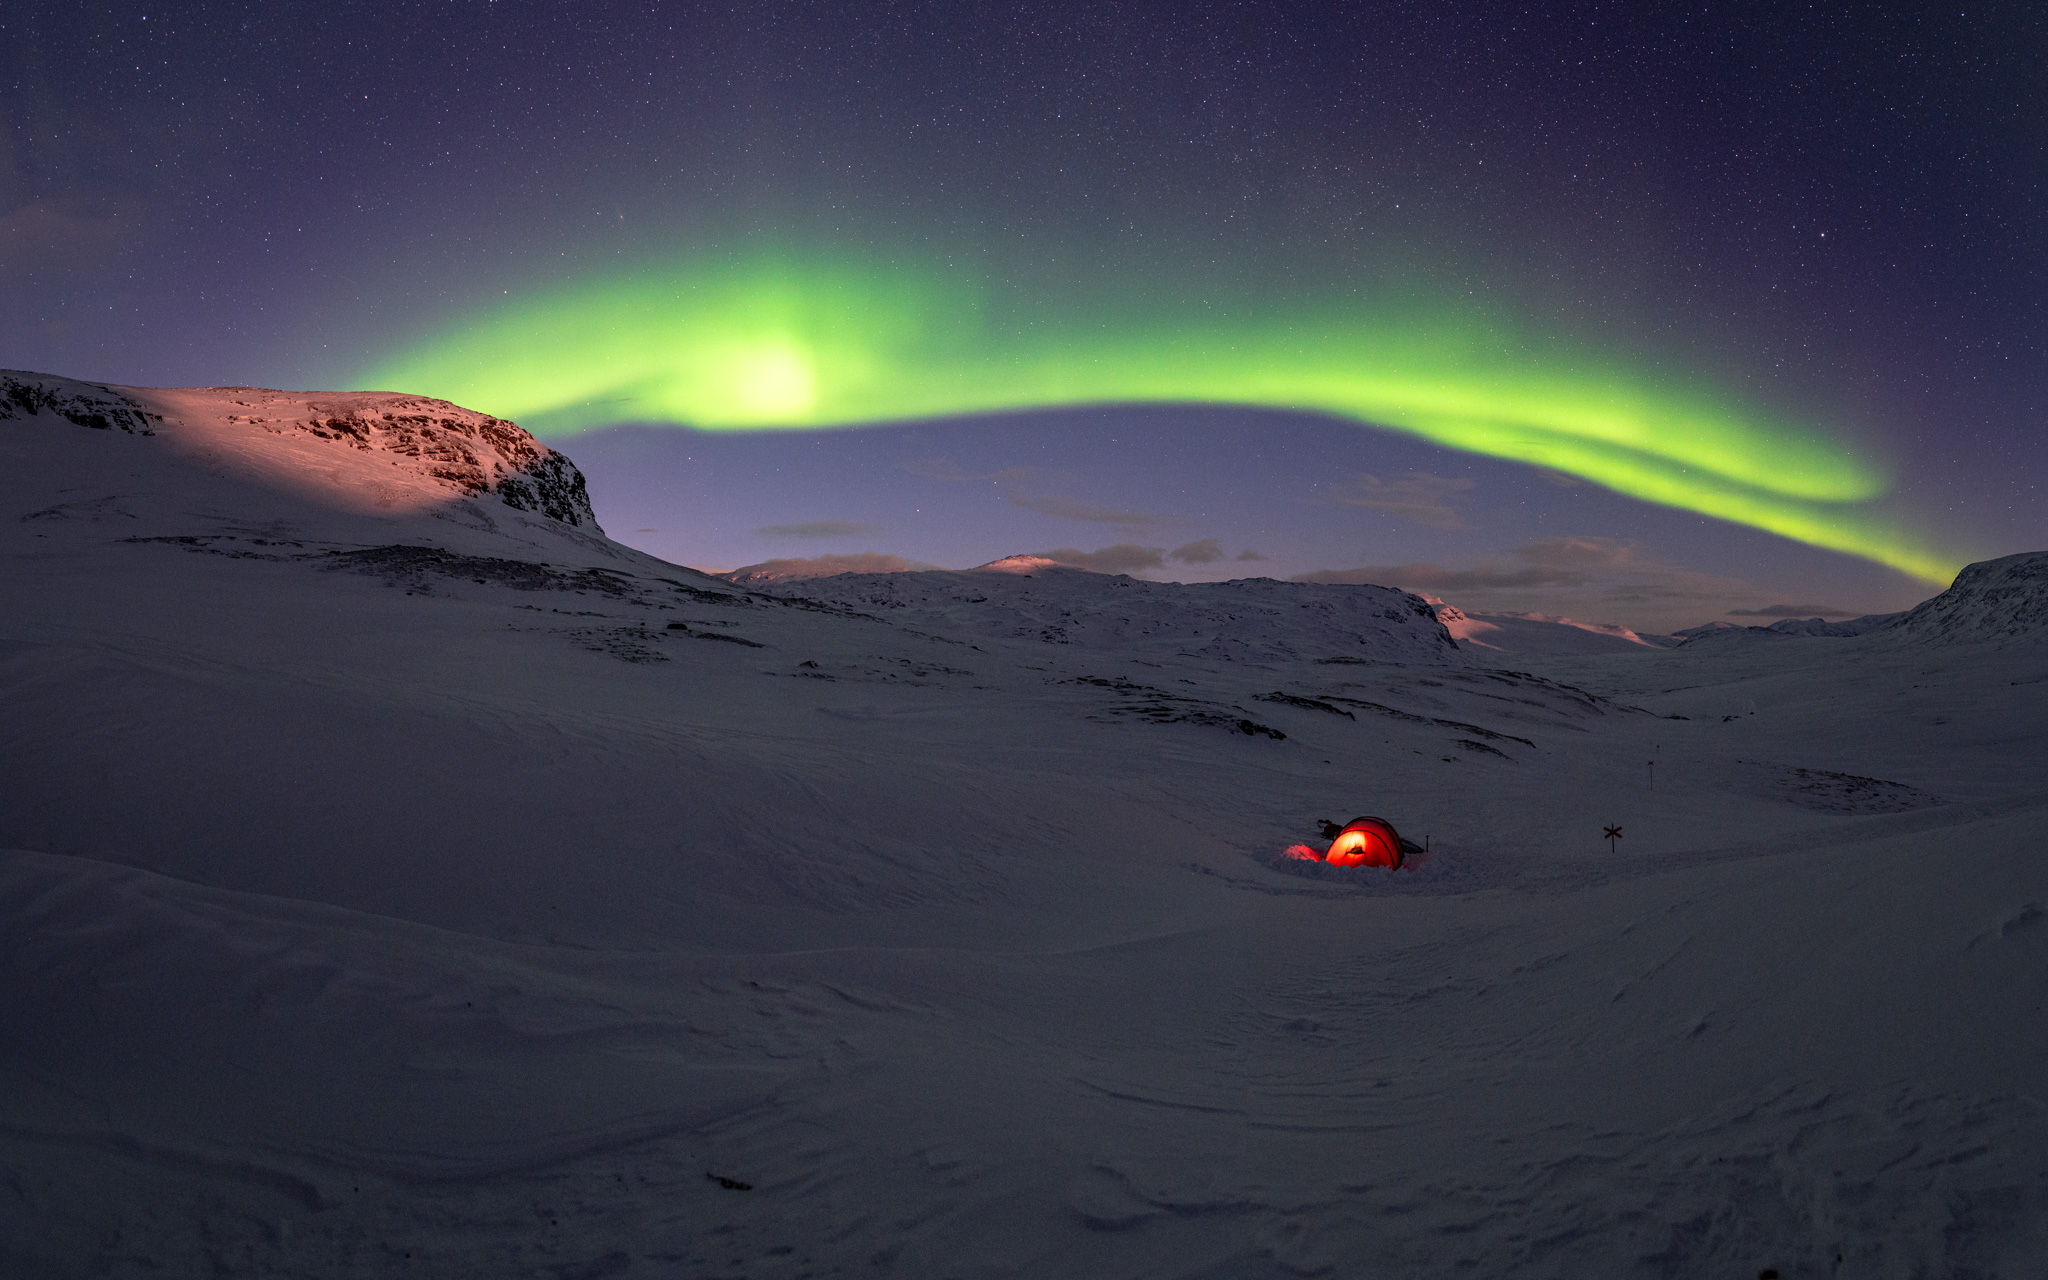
1366,842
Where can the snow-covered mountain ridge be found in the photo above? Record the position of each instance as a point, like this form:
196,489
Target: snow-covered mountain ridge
1247,619
402,452
87,404
1992,600
1833,630
1510,634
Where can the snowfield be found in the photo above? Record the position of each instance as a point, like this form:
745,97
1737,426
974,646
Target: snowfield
404,879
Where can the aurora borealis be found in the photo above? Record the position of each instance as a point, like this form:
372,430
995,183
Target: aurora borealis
784,341
1643,315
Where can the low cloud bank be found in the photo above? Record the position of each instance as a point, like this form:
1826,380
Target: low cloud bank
1794,611
1609,579
820,529
1129,557
1417,496
1124,557
1426,576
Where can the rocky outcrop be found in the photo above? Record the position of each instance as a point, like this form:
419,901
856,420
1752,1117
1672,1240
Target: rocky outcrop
469,454
25,395
474,453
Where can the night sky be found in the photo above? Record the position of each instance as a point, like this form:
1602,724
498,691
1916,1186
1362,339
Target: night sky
1643,314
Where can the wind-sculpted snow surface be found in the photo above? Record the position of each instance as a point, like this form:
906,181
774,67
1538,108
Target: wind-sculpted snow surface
1247,620
409,890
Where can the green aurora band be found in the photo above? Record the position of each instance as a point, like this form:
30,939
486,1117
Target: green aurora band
793,340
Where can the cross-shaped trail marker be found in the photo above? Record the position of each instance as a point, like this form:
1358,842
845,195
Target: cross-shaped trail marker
1613,834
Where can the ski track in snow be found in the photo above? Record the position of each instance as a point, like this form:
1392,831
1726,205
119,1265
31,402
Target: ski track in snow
437,888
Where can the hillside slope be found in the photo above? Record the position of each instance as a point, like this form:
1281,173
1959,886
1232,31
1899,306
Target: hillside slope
1249,619
231,463
2001,601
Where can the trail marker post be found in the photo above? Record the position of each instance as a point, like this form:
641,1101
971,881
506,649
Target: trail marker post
1613,834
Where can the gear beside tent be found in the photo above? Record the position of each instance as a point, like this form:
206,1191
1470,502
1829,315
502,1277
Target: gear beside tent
1362,842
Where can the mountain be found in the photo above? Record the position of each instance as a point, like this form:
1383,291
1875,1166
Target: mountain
1999,600
1248,619
397,878
1536,633
1722,633
825,566
1838,630
234,463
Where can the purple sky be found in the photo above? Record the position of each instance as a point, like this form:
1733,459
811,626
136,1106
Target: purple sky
1837,213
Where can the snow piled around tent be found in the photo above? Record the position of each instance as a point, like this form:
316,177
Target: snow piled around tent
440,888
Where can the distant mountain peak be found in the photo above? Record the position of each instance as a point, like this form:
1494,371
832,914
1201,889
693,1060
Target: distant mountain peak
1839,630
1020,564
1526,633
802,569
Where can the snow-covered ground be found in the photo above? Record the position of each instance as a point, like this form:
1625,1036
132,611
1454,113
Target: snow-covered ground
405,883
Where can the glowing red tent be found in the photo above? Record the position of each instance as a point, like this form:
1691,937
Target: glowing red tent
1366,842
1360,842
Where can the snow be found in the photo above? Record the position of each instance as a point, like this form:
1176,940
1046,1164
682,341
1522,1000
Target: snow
1249,619
396,889
1996,600
255,454
1537,633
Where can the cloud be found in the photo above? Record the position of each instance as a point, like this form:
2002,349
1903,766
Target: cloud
1435,577
1417,496
1207,551
1122,558
1540,562
1793,611
1602,579
820,529
1249,555
824,567
1584,552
